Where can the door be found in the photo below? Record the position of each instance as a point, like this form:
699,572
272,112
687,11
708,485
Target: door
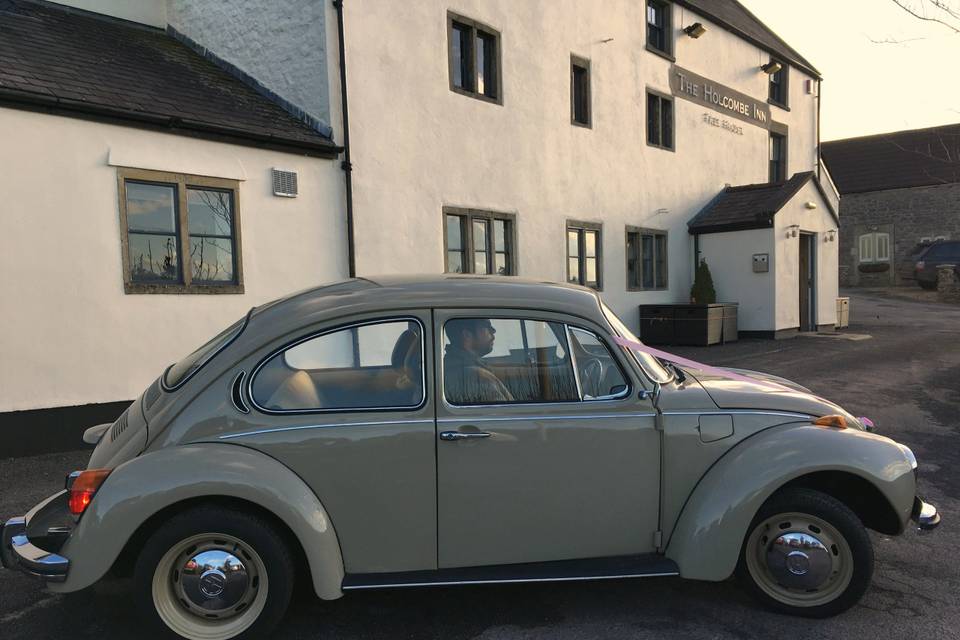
807,284
544,450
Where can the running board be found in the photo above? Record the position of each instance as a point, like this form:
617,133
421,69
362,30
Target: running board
641,566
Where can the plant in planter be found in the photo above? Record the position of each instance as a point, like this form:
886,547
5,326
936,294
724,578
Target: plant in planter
702,291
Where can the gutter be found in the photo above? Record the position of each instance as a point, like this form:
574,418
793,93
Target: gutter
346,165
63,106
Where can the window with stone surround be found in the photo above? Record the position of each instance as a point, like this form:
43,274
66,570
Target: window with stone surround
482,242
474,55
181,233
874,248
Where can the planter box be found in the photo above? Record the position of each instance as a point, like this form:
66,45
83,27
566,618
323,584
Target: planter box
688,324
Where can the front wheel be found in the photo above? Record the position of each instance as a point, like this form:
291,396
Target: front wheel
806,554
214,574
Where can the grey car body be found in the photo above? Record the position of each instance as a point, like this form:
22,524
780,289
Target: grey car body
668,476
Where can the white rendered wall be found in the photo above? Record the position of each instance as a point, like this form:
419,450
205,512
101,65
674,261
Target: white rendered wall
417,146
730,257
281,43
787,255
68,333
149,12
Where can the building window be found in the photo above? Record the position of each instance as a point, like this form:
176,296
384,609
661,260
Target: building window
658,27
474,58
779,86
181,233
874,247
659,121
646,259
584,255
778,157
580,91
479,242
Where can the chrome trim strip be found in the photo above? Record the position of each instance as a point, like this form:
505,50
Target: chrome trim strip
311,336
749,412
236,393
507,581
230,436
534,417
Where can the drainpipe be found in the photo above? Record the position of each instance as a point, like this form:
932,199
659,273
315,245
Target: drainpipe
819,157
346,165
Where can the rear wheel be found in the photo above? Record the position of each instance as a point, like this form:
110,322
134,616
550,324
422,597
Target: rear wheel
806,554
214,574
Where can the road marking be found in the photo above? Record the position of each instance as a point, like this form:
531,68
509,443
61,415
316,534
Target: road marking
16,615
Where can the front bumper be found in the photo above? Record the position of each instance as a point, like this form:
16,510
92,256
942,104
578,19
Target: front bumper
925,515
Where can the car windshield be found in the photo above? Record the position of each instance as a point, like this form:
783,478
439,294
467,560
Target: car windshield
650,365
180,371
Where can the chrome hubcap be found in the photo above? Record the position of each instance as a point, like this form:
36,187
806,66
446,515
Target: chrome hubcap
799,559
214,578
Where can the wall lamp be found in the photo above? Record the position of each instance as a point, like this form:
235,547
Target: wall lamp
771,67
831,235
695,30
793,230
810,205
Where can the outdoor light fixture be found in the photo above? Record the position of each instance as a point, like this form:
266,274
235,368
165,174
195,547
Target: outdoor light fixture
695,30
793,230
771,67
810,205
831,236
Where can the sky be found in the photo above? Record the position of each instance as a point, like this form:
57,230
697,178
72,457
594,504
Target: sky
882,69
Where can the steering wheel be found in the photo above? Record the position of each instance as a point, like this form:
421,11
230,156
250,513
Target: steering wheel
592,375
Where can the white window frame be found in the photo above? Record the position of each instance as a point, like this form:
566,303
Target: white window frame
870,245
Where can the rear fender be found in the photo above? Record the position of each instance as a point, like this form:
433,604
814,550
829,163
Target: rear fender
712,525
140,488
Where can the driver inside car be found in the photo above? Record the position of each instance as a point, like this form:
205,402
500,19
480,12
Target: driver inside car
466,377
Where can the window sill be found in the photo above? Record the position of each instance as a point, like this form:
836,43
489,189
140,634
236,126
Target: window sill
642,290
582,125
782,105
661,147
476,96
158,288
661,53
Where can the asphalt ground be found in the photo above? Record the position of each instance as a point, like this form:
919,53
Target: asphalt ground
906,377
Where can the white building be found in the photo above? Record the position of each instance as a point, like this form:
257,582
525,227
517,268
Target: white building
567,140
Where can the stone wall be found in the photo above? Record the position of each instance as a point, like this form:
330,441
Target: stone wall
948,283
907,215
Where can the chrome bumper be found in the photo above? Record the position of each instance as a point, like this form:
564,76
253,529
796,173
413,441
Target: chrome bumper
925,515
16,552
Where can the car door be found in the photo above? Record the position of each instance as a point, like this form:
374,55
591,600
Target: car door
545,451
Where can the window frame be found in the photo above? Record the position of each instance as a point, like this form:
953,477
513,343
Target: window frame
278,351
474,27
521,316
181,182
581,226
873,243
668,39
781,162
661,97
640,232
578,62
469,215
784,86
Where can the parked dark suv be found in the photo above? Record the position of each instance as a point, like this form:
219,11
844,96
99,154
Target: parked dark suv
943,252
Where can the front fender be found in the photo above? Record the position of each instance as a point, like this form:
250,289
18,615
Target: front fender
138,489
710,531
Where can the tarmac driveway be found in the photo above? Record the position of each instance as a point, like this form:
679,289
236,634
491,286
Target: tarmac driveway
906,377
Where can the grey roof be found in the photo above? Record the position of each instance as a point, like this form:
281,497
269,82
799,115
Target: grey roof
72,62
898,160
734,17
751,206
399,292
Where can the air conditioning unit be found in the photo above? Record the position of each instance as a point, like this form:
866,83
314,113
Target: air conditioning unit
284,183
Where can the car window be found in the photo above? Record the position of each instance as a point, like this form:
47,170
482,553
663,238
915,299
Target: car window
179,372
506,361
375,365
650,365
599,374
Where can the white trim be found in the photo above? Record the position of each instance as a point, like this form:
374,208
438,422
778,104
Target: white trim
507,581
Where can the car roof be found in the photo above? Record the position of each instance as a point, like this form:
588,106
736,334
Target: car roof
370,294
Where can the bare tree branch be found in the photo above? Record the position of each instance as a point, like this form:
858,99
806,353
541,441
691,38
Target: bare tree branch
918,9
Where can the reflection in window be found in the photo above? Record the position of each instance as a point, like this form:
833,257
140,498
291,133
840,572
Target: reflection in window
370,366
210,223
506,361
600,376
474,51
479,242
658,25
583,254
646,259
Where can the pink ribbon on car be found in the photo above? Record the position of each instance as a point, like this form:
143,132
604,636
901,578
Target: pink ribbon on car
723,373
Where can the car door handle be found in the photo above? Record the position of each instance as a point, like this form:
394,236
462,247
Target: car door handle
450,436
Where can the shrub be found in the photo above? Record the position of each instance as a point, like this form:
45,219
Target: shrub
702,291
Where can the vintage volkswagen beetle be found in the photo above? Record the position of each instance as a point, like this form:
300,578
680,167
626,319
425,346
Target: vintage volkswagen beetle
447,430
